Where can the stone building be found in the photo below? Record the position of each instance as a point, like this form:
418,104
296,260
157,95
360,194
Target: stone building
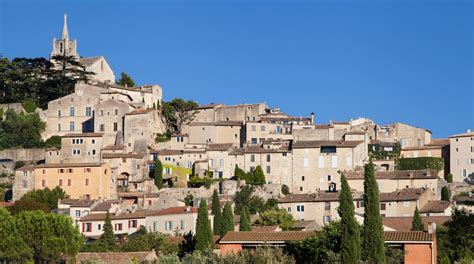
462,156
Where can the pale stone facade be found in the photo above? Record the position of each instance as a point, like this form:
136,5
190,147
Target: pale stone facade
462,156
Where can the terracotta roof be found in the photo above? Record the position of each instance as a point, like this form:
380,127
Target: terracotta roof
175,210
284,118
104,206
322,126
405,174
463,199
122,155
114,147
435,207
26,168
219,147
117,257
355,133
208,106
125,215
403,223
77,202
328,143
423,147
167,152
340,122
141,111
410,236
83,135
264,228
5,204
218,123
467,134
439,142
69,165
264,237
179,135
407,194
319,196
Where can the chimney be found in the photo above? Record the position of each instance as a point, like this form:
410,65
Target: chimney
312,118
188,208
431,227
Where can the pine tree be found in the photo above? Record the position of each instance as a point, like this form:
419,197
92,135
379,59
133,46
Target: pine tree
417,223
216,211
107,238
158,174
227,219
350,237
445,193
373,248
125,80
239,173
203,228
245,219
259,176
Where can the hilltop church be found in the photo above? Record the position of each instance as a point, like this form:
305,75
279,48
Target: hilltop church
98,65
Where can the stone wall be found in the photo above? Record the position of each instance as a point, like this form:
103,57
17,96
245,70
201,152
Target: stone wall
33,154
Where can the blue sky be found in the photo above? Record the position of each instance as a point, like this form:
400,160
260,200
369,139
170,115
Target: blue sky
406,61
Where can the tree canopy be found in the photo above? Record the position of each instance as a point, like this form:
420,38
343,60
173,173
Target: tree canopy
350,235
46,196
203,228
21,130
158,174
177,113
279,217
125,80
417,223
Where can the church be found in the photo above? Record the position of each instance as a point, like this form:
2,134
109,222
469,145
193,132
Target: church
98,64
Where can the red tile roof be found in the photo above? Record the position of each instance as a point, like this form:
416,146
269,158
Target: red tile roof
83,135
123,155
175,210
403,223
264,237
117,257
140,111
409,236
320,143
435,207
405,174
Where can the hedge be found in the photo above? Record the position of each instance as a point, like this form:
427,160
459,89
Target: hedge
420,163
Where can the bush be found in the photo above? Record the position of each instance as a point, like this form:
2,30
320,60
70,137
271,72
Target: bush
285,190
449,178
54,141
445,193
27,205
420,163
29,106
377,152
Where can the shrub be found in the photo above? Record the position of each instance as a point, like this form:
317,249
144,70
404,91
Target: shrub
285,190
54,141
445,193
29,106
420,163
449,178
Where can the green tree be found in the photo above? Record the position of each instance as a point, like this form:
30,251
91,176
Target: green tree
285,190
239,173
125,80
449,178
445,193
29,105
203,228
245,220
274,217
53,141
27,205
21,130
373,247
216,211
188,245
158,174
12,247
417,223
350,237
107,239
459,238
227,219
259,176
46,196
189,200
178,112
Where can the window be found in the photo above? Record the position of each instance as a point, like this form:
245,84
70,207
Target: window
59,127
262,128
305,162
132,223
328,149
88,170
102,127
101,112
71,111
268,169
464,173
88,227
115,126
181,224
302,178
43,183
71,126
59,113
211,162
118,227
327,219
254,141
60,182
289,209
76,152
93,152
334,162
252,158
406,204
87,182
69,182
88,111
154,226
268,158
321,162
383,206
99,227
221,163
349,161
93,141
300,208
327,206
116,111
78,213
168,225
329,178
253,128
69,170
284,154
60,171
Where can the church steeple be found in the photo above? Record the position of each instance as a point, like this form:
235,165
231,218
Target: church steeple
64,46
65,34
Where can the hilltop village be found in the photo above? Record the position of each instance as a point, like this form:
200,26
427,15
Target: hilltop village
120,159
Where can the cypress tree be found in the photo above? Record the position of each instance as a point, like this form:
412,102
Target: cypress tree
444,193
350,234
259,176
216,211
417,224
239,173
158,174
245,219
373,248
227,219
203,228
107,239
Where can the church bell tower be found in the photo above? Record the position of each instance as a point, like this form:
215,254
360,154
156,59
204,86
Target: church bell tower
64,46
